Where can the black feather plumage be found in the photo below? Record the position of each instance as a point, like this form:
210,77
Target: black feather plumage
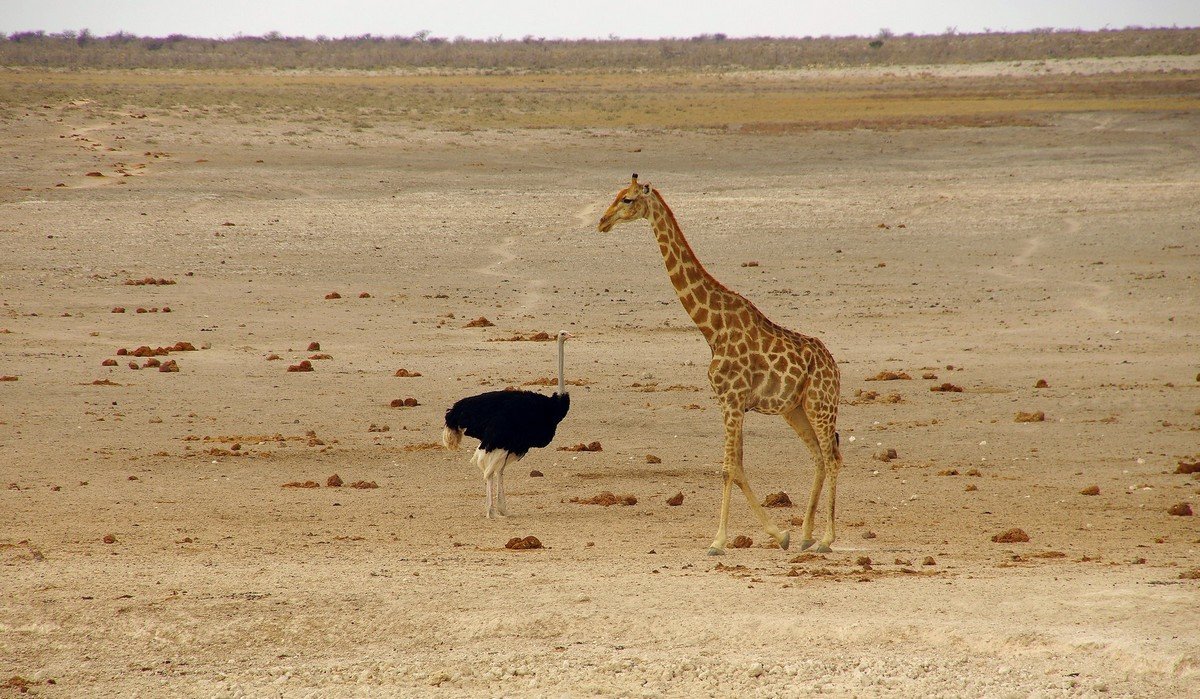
515,421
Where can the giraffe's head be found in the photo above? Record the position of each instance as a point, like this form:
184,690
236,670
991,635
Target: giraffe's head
630,204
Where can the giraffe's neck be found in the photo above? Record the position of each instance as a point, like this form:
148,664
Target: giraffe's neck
704,298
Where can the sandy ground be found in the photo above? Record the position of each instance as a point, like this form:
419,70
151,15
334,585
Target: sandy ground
991,258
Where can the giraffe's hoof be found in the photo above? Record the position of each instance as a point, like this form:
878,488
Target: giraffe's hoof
785,540
823,548
807,544
714,551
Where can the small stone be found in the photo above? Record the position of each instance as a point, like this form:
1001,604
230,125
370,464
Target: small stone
314,347
779,499
675,500
741,541
109,539
334,481
929,561
1090,490
519,544
1041,383
869,534
536,474
332,295
652,459
1180,510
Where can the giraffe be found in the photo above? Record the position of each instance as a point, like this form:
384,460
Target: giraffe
756,366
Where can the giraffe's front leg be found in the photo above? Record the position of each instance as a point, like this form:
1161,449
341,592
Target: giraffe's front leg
733,457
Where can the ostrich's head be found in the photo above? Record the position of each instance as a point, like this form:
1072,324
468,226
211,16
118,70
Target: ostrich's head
563,336
630,204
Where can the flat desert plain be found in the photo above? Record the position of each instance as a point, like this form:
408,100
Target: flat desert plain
149,546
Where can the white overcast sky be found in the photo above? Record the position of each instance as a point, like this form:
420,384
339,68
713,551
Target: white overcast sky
583,18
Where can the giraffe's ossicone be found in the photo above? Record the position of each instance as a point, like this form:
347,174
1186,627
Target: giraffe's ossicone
756,366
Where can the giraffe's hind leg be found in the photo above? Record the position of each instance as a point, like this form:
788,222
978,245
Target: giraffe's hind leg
800,423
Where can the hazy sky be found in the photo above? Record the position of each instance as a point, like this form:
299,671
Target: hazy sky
583,18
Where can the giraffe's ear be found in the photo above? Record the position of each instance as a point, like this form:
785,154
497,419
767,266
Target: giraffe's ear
645,189
635,179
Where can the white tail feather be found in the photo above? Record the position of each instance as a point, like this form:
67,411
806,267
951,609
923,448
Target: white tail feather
451,438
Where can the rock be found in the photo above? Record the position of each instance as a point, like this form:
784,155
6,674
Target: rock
652,459
675,500
607,498
519,544
890,376
869,534
298,484
109,539
929,561
1090,490
334,481
536,474
304,365
479,322
1041,383
364,485
109,362
405,373
332,295
741,541
1012,536
168,366
1186,467
1180,510
314,347
779,499
946,388
1038,416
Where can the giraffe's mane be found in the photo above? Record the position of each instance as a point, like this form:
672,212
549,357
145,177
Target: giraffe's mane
717,282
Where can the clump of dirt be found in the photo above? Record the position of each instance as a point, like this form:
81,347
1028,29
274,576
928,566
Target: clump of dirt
364,295
298,484
134,365
314,347
751,263
948,472
890,376
518,544
182,346
1050,554
1041,383
149,281
405,373
118,309
929,561
741,541
364,485
332,295
320,355
806,557
864,561
273,357
535,337
1180,510
946,388
109,539
304,365
1090,490
422,446
779,499
1193,574
104,382
1186,467
169,366
536,474
479,322
592,446
378,428
109,362
652,459
1012,536
607,498
675,500
929,376
886,456
334,481
409,402
868,534
8,377
1038,416
151,362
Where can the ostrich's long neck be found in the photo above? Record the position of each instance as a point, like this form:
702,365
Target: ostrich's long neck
704,298
562,381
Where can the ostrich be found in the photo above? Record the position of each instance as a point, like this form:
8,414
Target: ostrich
507,424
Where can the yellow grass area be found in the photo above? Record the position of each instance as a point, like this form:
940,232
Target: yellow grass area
684,100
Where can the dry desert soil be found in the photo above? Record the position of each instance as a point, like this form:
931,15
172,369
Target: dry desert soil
148,546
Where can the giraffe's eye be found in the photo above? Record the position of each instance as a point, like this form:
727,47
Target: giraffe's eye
626,200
